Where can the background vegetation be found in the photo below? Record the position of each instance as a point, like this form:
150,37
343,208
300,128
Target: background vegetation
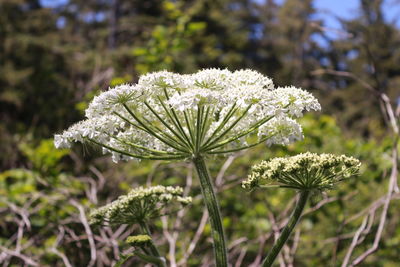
54,60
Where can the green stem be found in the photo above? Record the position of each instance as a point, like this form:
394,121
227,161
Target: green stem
213,209
153,249
294,218
150,259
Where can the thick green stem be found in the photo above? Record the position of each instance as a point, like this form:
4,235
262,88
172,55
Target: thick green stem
294,218
210,199
153,248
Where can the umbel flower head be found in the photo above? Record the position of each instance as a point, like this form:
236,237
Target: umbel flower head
171,116
306,171
138,240
140,205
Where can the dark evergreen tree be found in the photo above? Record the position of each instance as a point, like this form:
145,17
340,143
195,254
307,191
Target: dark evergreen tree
371,54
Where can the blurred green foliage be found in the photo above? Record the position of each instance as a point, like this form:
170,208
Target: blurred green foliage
167,46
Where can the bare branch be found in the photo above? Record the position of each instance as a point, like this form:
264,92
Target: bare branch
391,189
242,254
225,166
88,230
20,211
13,253
380,95
355,241
54,249
196,238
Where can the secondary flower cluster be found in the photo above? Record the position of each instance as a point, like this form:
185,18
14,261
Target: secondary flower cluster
172,116
307,171
139,205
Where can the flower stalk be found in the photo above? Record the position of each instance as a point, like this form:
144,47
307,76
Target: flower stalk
153,249
308,173
294,218
211,202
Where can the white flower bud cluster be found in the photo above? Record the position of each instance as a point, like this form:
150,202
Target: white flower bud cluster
138,240
139,205
306,171
164,108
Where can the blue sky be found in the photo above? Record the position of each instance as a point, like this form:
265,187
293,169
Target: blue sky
328,10
52,3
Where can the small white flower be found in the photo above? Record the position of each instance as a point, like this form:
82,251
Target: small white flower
61,142
283,131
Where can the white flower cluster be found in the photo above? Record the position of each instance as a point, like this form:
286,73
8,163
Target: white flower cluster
306,171
99,129
139,205
173,116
